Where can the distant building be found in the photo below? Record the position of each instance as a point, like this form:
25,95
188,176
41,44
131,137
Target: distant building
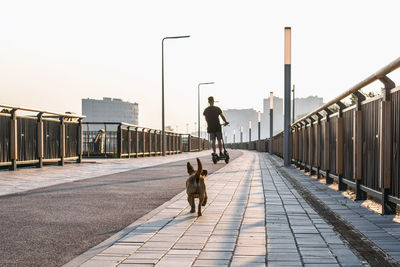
303,106
110,110
241,117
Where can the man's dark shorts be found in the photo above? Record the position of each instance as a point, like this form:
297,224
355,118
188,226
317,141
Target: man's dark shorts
215,135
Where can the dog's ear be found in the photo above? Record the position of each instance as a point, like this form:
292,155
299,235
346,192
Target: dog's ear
204,173
190,169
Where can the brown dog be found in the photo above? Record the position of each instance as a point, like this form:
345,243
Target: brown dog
196,186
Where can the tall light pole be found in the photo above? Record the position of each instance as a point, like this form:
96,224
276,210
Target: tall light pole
286,126
162,84
249,131
234,133
271,122
241,134
198,106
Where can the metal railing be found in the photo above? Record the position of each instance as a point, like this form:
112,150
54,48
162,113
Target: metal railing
112,139
358,146
34,137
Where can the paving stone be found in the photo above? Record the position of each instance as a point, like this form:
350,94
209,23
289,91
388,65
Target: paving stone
248,261
219,247
219,255
210,262
250,251
124,249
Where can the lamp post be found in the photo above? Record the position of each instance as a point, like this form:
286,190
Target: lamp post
241,134
162,85
259,130
249,133
287,74
198,106
271,121
234,137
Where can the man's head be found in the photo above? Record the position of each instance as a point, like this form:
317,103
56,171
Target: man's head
211,100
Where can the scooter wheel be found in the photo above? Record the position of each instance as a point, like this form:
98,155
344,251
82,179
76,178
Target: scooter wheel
215,160
227,159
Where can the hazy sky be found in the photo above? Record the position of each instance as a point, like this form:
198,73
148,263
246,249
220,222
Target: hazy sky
53,53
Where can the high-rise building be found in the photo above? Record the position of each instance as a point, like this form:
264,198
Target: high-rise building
110,110
239,118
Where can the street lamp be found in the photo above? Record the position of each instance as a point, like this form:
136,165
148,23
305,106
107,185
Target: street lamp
271,120
241,134
234,133
162,84
286,117
198,106
249,132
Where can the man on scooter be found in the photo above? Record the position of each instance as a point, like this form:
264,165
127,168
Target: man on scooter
212,114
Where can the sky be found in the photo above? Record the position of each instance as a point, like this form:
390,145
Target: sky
54,53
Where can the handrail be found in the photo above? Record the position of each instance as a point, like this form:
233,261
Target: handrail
372,78
129,125
42,111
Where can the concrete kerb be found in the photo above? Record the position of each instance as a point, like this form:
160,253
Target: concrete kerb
113,239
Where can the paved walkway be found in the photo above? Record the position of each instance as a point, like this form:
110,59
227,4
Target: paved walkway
31,178
254,216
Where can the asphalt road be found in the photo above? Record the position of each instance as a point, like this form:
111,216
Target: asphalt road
50,226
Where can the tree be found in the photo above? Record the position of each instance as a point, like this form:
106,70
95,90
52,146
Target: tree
169,128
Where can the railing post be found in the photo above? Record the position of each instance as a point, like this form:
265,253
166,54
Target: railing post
329,180
189,143
318,145
306,137
137,141
155,143
144,142
176,143
303,152
150,137
310,145
357,146
14,140
296,146
385,138
173,143
180,143
129,141
119,141
40,141
339,147
80,141
62,141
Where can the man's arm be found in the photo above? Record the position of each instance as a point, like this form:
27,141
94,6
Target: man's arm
223,118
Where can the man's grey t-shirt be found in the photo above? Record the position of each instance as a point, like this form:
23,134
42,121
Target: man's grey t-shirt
212,117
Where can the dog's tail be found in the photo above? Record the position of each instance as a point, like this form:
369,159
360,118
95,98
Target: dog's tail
199,170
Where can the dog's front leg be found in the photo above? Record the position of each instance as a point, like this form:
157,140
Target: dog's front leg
191,203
